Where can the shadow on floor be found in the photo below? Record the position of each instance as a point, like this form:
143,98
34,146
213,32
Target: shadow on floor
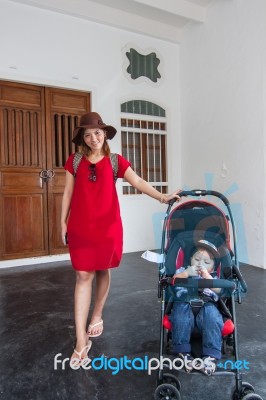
36,313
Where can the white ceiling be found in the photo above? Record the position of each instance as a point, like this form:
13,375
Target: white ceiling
163,19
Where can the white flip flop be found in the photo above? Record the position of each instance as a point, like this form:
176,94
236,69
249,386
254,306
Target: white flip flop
80,359
93,326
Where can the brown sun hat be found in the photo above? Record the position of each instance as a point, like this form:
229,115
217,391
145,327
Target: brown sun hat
91,120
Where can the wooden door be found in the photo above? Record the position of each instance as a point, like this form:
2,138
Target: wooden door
36,126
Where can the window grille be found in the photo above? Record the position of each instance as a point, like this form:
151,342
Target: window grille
143,133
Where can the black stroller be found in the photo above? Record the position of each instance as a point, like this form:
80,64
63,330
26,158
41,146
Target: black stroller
184,226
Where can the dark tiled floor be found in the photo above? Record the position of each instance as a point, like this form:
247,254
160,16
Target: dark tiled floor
36,311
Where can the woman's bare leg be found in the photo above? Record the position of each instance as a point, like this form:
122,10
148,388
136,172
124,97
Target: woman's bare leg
82,299
103,279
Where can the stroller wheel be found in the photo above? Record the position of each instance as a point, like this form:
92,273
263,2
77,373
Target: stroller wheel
172,380
246,389
252,396
166,391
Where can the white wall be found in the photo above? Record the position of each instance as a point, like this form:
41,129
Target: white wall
49,49
223,114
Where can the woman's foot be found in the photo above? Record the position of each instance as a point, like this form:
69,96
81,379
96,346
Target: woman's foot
95,328
80,353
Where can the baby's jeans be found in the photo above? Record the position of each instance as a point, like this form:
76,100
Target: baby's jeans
209,323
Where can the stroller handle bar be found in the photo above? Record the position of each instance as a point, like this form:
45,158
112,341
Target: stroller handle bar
201,283
199,192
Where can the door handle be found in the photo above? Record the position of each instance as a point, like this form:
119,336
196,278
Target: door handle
50,173
46,174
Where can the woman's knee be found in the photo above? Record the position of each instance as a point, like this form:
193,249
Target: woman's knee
83,277
103,274
103,277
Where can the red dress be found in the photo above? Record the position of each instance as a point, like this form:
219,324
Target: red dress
95,232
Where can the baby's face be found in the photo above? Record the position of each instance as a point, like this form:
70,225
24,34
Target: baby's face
202,259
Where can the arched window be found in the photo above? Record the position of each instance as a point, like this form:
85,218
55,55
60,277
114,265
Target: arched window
143,133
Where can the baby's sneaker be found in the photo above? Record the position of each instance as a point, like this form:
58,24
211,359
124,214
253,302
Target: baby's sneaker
209,365
187,360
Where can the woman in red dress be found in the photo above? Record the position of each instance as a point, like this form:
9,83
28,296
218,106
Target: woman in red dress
91,218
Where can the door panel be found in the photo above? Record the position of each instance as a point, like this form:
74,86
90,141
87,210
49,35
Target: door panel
23,226
23,199
28,181
22,141
20,95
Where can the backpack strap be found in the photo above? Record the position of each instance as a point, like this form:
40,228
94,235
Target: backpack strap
76,161
114,162
113,157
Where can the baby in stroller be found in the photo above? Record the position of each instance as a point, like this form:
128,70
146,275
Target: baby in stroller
188,314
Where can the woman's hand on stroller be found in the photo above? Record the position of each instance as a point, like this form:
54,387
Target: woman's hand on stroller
167,198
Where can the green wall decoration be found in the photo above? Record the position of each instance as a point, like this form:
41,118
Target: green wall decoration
143,65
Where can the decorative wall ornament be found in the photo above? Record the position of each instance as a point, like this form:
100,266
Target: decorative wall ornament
141,65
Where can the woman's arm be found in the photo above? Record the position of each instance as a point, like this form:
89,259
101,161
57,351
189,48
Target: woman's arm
66,200
144,187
